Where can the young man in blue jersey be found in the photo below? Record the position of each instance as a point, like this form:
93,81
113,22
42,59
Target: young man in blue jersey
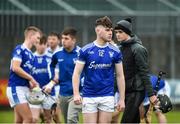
136,71
53,46
65,58
99,60
40,74
20,80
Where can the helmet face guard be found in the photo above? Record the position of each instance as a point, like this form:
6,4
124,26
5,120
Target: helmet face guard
165,103
35,97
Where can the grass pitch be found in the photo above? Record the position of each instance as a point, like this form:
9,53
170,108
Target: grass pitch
8,117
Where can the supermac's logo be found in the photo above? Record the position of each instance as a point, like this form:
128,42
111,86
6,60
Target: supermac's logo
98,66
28,64
39,70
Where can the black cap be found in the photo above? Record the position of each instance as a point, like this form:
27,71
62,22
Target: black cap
125,25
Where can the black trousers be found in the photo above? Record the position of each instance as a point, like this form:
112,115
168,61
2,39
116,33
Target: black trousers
132,102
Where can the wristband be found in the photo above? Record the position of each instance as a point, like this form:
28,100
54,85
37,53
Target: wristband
51,84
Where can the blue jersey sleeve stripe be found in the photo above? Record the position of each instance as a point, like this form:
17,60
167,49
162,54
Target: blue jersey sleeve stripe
78,48
114,48
57,69
49,71
17,59
118,62
87,46
81,62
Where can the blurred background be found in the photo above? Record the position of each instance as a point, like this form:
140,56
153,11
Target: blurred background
156,22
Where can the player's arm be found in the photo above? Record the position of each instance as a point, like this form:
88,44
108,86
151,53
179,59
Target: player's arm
52,74
121,85
76,80
141,59
56,76
15,65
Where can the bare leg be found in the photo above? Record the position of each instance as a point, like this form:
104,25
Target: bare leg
90,117
47,116
35,114
104,117
18,118
116,117
161,118
142,112
56,115
23,111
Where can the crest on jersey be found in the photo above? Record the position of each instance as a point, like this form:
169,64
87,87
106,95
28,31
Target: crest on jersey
48,60
101,53
111,54
39,60
18,51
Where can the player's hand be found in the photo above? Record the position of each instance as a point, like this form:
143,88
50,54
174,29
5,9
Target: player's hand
33,83
121,105
77,99
153,99
47,88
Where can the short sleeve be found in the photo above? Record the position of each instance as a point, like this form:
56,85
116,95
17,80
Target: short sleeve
118,57
81,56
17,54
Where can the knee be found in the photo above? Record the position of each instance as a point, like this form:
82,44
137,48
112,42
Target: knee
28,119
35,120
48,119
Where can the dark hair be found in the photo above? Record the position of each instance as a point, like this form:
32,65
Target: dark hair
54,34
69,31
104,21
43,40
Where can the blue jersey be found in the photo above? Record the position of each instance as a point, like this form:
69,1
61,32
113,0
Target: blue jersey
66,63
154,79
99,69
40,70
154,82
25,56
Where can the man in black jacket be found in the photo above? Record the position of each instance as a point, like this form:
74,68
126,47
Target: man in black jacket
136,71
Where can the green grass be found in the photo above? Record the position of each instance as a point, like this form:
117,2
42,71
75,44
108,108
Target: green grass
172,117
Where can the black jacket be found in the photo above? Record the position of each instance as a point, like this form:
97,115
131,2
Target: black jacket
135,64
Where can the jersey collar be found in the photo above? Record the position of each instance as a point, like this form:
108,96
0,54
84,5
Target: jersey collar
96,44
